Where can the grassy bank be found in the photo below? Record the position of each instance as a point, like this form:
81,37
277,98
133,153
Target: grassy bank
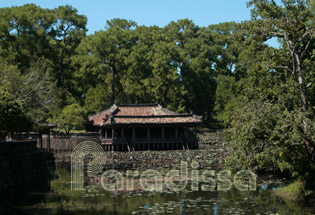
296,192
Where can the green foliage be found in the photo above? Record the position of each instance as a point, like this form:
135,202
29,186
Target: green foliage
165,86
293,192
96,100
120,23
12,116
226,91
71,117
36,92
25,34
103,55
267,135
176,65
193,64
150,64
36,49
270,123
69,30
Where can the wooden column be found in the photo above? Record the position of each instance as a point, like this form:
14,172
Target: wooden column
48,140
176,132
148,133
163,136
41,140
147,146
122,133
133,133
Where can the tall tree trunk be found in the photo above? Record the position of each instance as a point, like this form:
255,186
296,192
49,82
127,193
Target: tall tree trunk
113,71
307,143
301,84
60,78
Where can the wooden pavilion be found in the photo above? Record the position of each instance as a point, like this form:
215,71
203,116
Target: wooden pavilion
144,127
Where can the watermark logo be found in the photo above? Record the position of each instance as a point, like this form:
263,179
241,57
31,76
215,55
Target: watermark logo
152,180
95,166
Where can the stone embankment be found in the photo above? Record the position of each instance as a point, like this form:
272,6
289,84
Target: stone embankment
211,153
22,168
213,157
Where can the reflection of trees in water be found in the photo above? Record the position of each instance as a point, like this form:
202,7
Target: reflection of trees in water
94,199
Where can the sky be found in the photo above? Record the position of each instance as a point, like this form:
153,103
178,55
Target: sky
150,12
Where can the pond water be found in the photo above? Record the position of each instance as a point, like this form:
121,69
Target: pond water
94,200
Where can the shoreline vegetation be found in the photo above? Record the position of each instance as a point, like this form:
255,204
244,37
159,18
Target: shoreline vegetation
296,192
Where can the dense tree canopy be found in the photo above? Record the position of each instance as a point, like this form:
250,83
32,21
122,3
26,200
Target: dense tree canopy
176,65
71,117
272,114
12,116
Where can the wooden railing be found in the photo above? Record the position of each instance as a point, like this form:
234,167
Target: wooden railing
106,141
145,140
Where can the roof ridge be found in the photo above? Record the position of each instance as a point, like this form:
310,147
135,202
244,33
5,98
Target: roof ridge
152,116
114,106
138,105
169,111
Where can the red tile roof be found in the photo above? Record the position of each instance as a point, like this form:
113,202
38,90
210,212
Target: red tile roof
141,114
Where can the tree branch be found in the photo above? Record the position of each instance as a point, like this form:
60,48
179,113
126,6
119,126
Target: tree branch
309,84
283,67
306,47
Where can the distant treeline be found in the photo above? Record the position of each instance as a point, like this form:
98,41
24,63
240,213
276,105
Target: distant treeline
48,62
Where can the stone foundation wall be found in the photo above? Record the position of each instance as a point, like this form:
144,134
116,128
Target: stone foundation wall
62,147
